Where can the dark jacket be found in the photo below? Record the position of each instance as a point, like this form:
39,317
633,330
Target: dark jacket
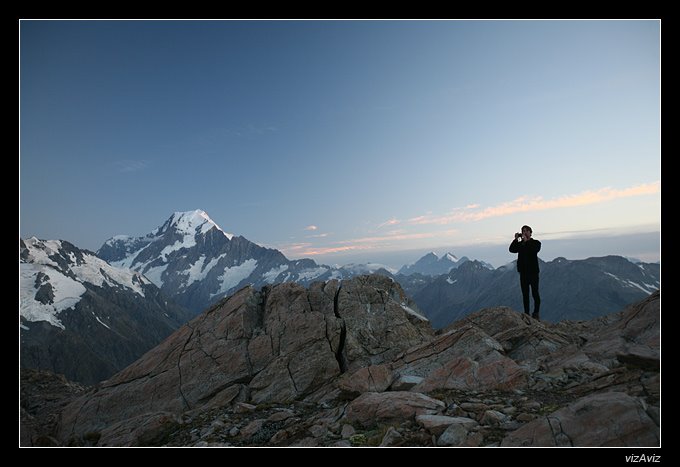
527,260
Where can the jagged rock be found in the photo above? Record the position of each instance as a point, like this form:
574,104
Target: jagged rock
607,419
435,424
273,345
142,430
525,417
392,437
286,343
495,372
283,414
306,443
457,432
252,428
634,337
318,431
405,382
492,417
380,319
243,407
468,359
521,337
374,378
464,357
372,407
474,406
347,431
43,395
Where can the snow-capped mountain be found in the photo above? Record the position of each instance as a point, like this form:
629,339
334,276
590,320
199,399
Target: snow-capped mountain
193,261
433,265
83,317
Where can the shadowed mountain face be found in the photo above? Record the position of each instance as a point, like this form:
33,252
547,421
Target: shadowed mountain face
84,318
570,289
354,363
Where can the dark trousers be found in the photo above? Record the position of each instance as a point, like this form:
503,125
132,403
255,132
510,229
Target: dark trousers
530,279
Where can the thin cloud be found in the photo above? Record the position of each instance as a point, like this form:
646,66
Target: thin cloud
315,251
392,221
398,236
472,212
468,213
321,235
130,166
362,243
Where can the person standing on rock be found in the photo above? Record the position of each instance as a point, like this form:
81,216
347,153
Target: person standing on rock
527,249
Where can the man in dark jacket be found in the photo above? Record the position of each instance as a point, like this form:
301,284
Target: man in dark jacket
527,265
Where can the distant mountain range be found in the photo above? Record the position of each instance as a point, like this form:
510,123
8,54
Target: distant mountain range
81,317
570,289
433,265
87,316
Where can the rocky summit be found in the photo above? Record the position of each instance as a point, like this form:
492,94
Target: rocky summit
354,363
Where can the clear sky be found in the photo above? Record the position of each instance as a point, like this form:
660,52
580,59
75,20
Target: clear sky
342,140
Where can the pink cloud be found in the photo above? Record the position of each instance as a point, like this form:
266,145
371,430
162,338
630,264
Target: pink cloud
525,204
314,251
363,243
311,227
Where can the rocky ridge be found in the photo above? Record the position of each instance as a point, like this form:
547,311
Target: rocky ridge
354,364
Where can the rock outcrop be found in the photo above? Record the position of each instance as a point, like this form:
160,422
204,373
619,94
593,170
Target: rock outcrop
354,364
275,345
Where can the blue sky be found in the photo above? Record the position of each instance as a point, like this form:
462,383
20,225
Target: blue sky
342,140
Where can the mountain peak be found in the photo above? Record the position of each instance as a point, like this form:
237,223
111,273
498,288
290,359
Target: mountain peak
189,222
450,257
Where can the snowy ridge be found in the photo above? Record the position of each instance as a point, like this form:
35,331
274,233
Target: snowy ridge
412,312
52,274
271,275
234,275
66,293
198,271
645,287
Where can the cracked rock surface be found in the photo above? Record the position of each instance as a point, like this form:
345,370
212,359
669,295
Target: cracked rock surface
353,364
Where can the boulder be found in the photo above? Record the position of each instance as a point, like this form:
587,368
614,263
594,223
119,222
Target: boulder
606,419
372,408
391,438
374,378
436,424
405,382
457,432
